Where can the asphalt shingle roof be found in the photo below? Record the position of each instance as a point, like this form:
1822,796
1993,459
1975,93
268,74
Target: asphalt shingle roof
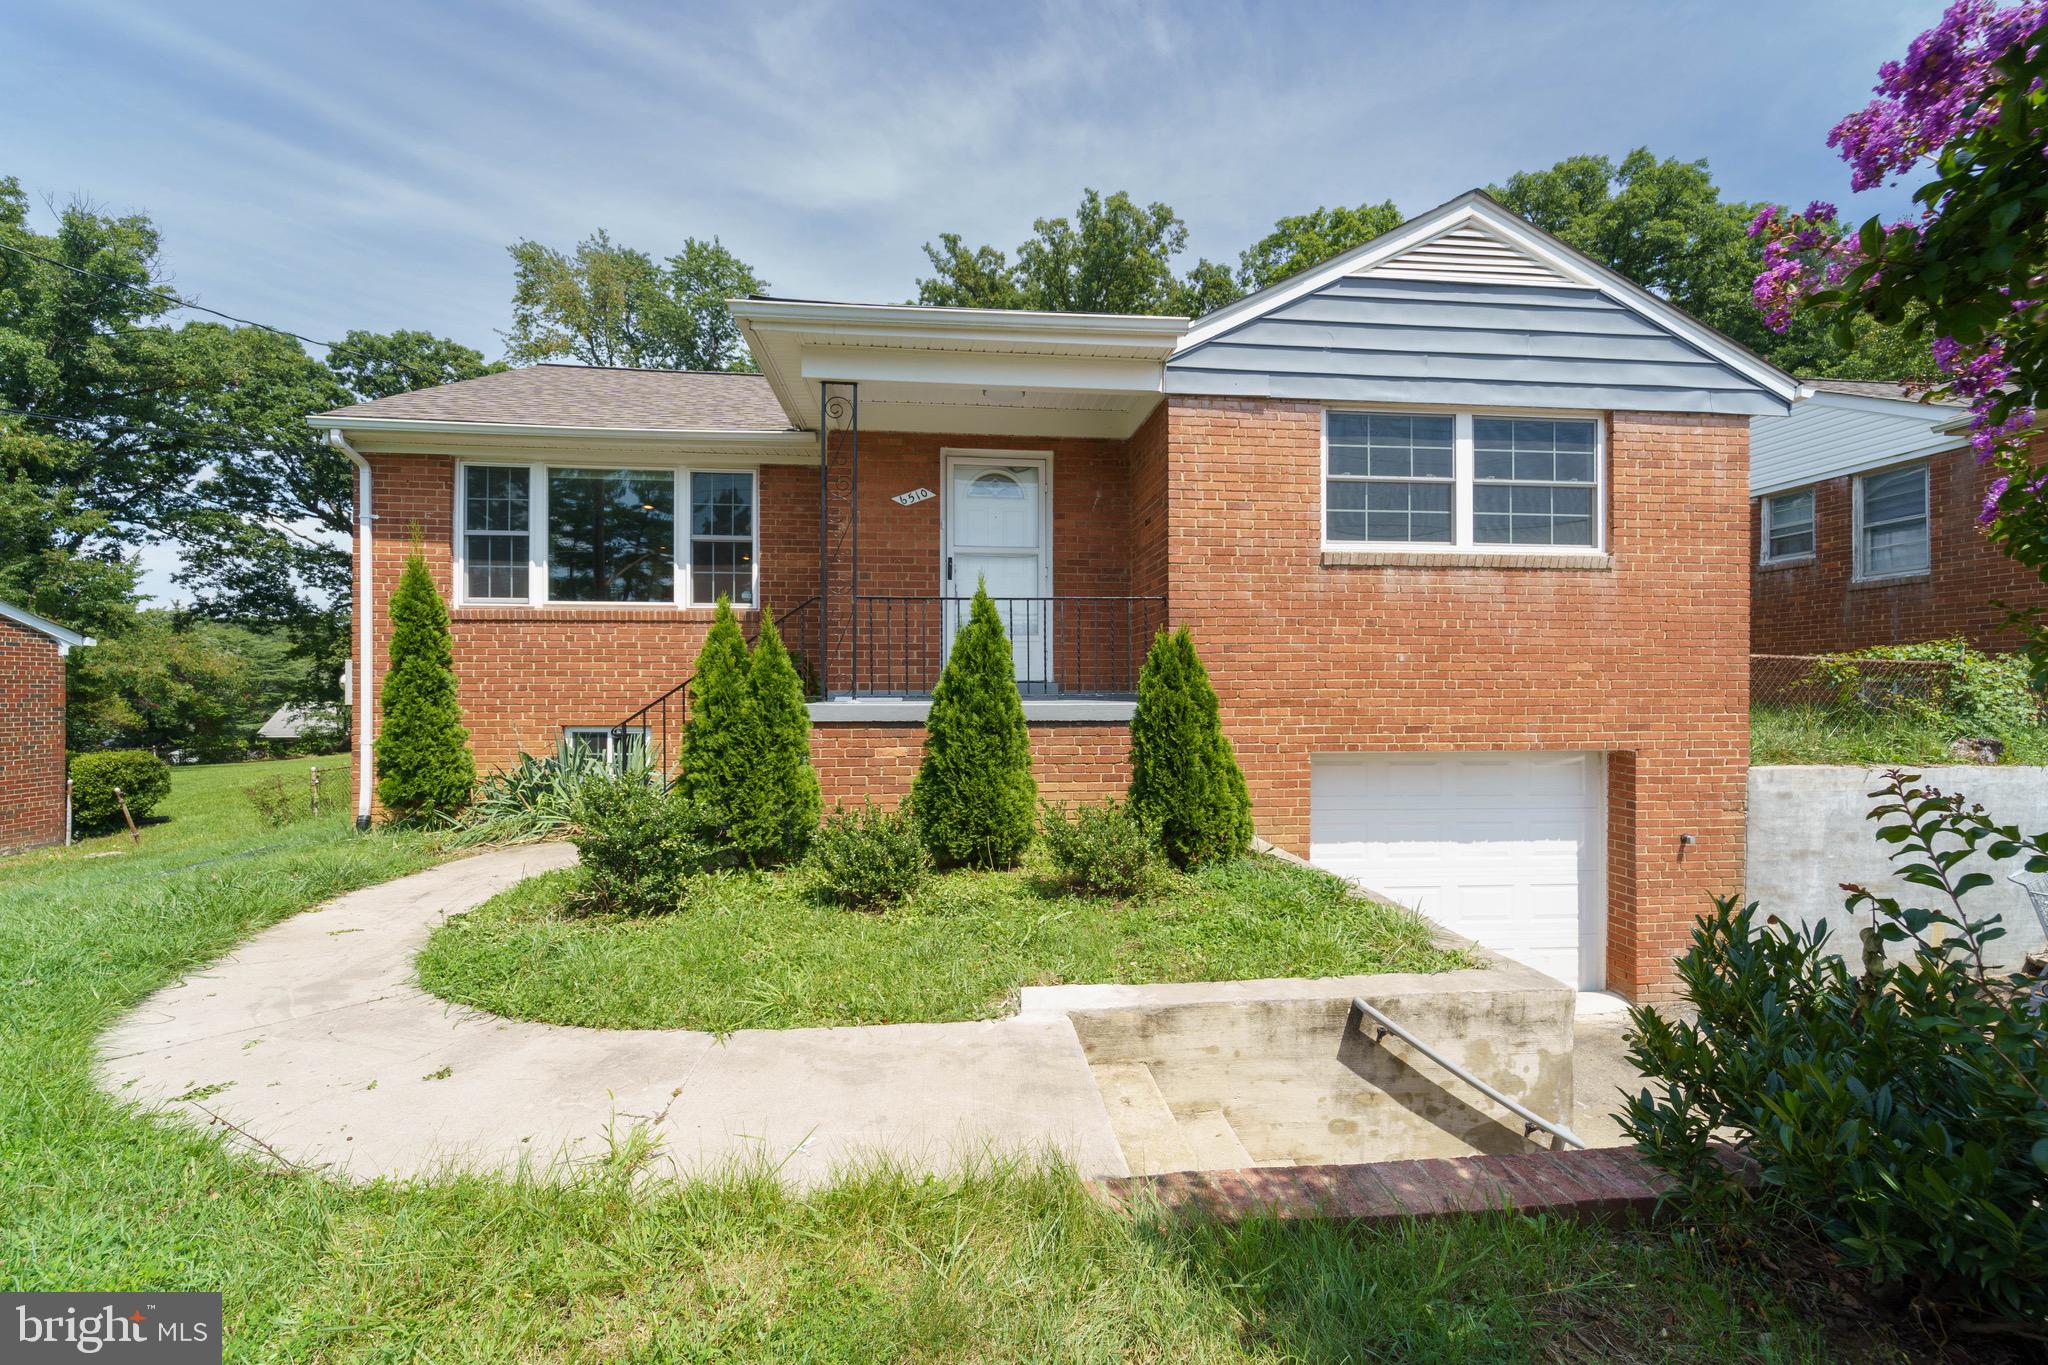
586,396
1873,388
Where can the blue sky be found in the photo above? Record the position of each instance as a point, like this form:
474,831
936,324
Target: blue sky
365,165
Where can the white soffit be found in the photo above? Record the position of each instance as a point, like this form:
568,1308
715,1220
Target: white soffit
1831,435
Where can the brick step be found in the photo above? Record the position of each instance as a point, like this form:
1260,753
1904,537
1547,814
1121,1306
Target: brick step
1605,1183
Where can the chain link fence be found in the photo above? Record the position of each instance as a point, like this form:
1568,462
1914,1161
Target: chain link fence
1851,682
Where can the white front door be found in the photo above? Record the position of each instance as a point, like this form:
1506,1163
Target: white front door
1507,848
998,533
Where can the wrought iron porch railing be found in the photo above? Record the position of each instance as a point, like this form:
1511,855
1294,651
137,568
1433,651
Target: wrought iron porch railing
1062,646
653,734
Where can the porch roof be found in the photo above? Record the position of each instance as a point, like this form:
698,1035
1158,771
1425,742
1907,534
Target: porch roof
975,371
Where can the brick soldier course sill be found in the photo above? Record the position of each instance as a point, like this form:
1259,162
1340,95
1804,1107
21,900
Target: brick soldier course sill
651,611
1598,1184
1414,559
1896,581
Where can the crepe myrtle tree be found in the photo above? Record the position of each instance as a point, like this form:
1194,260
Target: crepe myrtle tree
1968,273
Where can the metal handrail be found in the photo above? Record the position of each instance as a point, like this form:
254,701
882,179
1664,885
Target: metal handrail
1531,1119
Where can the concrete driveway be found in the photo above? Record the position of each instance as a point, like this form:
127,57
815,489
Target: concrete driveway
313,1044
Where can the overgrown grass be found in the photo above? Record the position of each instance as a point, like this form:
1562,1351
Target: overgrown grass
766,951
1013,1263
1847,735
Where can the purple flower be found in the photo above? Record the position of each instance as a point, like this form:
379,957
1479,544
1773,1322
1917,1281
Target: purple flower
1989,511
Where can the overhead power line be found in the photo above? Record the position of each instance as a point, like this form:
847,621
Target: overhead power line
176,301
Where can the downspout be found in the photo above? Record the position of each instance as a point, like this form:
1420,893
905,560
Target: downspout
365,701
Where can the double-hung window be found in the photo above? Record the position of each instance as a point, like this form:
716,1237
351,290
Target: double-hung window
1891,523
1392,478
1462,481
575,534
1788,526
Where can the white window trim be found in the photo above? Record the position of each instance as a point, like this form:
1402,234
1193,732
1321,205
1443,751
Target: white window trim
1861,574
610,733
1764,555
537,531
1463,467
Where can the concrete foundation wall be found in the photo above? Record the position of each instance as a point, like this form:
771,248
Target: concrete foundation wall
1298,1081
1809,832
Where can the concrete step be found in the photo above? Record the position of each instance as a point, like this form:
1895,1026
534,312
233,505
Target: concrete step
1145,1128
1215,1143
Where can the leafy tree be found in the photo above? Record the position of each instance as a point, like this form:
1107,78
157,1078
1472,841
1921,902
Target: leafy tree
725,775
614,305
424,767
974,798
1185,781
266,531
1969,103
1303,240
1113,256
162,684
55,557
792,803
1663,224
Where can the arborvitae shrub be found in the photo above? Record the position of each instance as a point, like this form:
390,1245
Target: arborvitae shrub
974,798
723,778
424,766
1185,782
782,824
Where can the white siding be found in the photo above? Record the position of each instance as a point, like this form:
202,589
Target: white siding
1467,253
1832,434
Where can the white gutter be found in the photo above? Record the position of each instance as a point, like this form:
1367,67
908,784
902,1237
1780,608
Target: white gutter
770,440
366,707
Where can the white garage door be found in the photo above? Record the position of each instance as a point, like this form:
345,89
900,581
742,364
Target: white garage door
1507,848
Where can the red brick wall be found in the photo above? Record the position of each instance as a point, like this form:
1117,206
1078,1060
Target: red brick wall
1072,761
31,738
1816,607
1644,661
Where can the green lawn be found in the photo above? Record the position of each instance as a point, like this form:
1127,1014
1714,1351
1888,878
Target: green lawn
766,952
1011,1264
1819,734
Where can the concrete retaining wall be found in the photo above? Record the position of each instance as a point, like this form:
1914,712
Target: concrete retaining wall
1298,1082
1808,833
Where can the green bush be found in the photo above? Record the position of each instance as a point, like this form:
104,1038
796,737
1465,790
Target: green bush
974,798
639,845
1894,1108
278,803
143,778
723,751
533,799
424,767
1966,692
1100,850
868,858
780,827
1185,782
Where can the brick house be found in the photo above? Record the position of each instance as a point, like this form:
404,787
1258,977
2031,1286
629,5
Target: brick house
32,805
1863,528
1454,518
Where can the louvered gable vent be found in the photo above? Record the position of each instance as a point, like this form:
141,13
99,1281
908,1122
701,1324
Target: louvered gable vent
1468,254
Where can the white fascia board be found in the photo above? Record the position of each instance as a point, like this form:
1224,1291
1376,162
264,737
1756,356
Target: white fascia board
1474,207
971,369
897,324
677,436
21,616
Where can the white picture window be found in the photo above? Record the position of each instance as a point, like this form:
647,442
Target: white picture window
1788,526
1462,481
1891,523
617,748
543,533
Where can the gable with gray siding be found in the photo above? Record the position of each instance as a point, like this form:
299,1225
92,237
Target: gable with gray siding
1379,339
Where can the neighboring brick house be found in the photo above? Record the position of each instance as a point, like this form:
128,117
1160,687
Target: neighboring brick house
1454,518
32,805
1864,528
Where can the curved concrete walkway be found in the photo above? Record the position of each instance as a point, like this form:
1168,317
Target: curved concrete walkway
313,1040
